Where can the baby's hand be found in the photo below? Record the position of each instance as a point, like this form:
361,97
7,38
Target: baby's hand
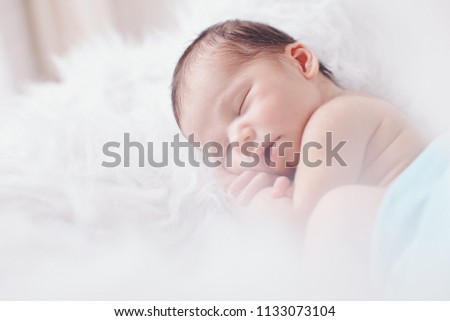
245,186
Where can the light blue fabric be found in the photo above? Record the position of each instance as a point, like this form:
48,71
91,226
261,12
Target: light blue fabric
411,245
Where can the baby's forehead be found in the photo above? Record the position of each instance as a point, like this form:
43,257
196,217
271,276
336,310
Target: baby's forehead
210,72
215,65
214,61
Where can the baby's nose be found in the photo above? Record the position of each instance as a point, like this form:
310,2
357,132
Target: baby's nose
243,135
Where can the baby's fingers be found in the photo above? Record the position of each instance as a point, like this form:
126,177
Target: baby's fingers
240,182
282,187
224,177
260,181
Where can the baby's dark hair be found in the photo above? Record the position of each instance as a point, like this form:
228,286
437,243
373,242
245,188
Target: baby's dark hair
243,39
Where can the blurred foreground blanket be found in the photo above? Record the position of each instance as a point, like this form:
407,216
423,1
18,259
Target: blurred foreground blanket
412,237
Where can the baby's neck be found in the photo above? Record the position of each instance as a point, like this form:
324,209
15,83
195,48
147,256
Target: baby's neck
328,89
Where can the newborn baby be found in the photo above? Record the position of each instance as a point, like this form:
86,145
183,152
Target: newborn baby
240,81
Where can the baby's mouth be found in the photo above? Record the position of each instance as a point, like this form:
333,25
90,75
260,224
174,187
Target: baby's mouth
269,151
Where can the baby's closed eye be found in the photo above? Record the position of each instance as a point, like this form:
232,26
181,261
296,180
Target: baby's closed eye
243,103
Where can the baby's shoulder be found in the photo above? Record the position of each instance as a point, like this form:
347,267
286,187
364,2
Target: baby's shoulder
349,113
350,107
350,103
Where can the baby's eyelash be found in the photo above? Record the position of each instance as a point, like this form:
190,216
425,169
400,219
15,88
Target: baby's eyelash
242,103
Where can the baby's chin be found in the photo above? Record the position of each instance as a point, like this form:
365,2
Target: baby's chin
282,166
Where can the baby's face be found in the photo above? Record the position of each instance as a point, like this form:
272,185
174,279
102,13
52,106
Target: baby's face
239,104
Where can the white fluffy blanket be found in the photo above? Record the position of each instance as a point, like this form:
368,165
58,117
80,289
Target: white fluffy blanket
72,229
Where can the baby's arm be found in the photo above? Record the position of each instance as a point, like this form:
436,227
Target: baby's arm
338,235
343,129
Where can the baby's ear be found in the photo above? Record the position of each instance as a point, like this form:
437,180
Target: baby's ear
306,59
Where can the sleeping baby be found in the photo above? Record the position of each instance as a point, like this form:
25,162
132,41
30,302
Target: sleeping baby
243,82
344,165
